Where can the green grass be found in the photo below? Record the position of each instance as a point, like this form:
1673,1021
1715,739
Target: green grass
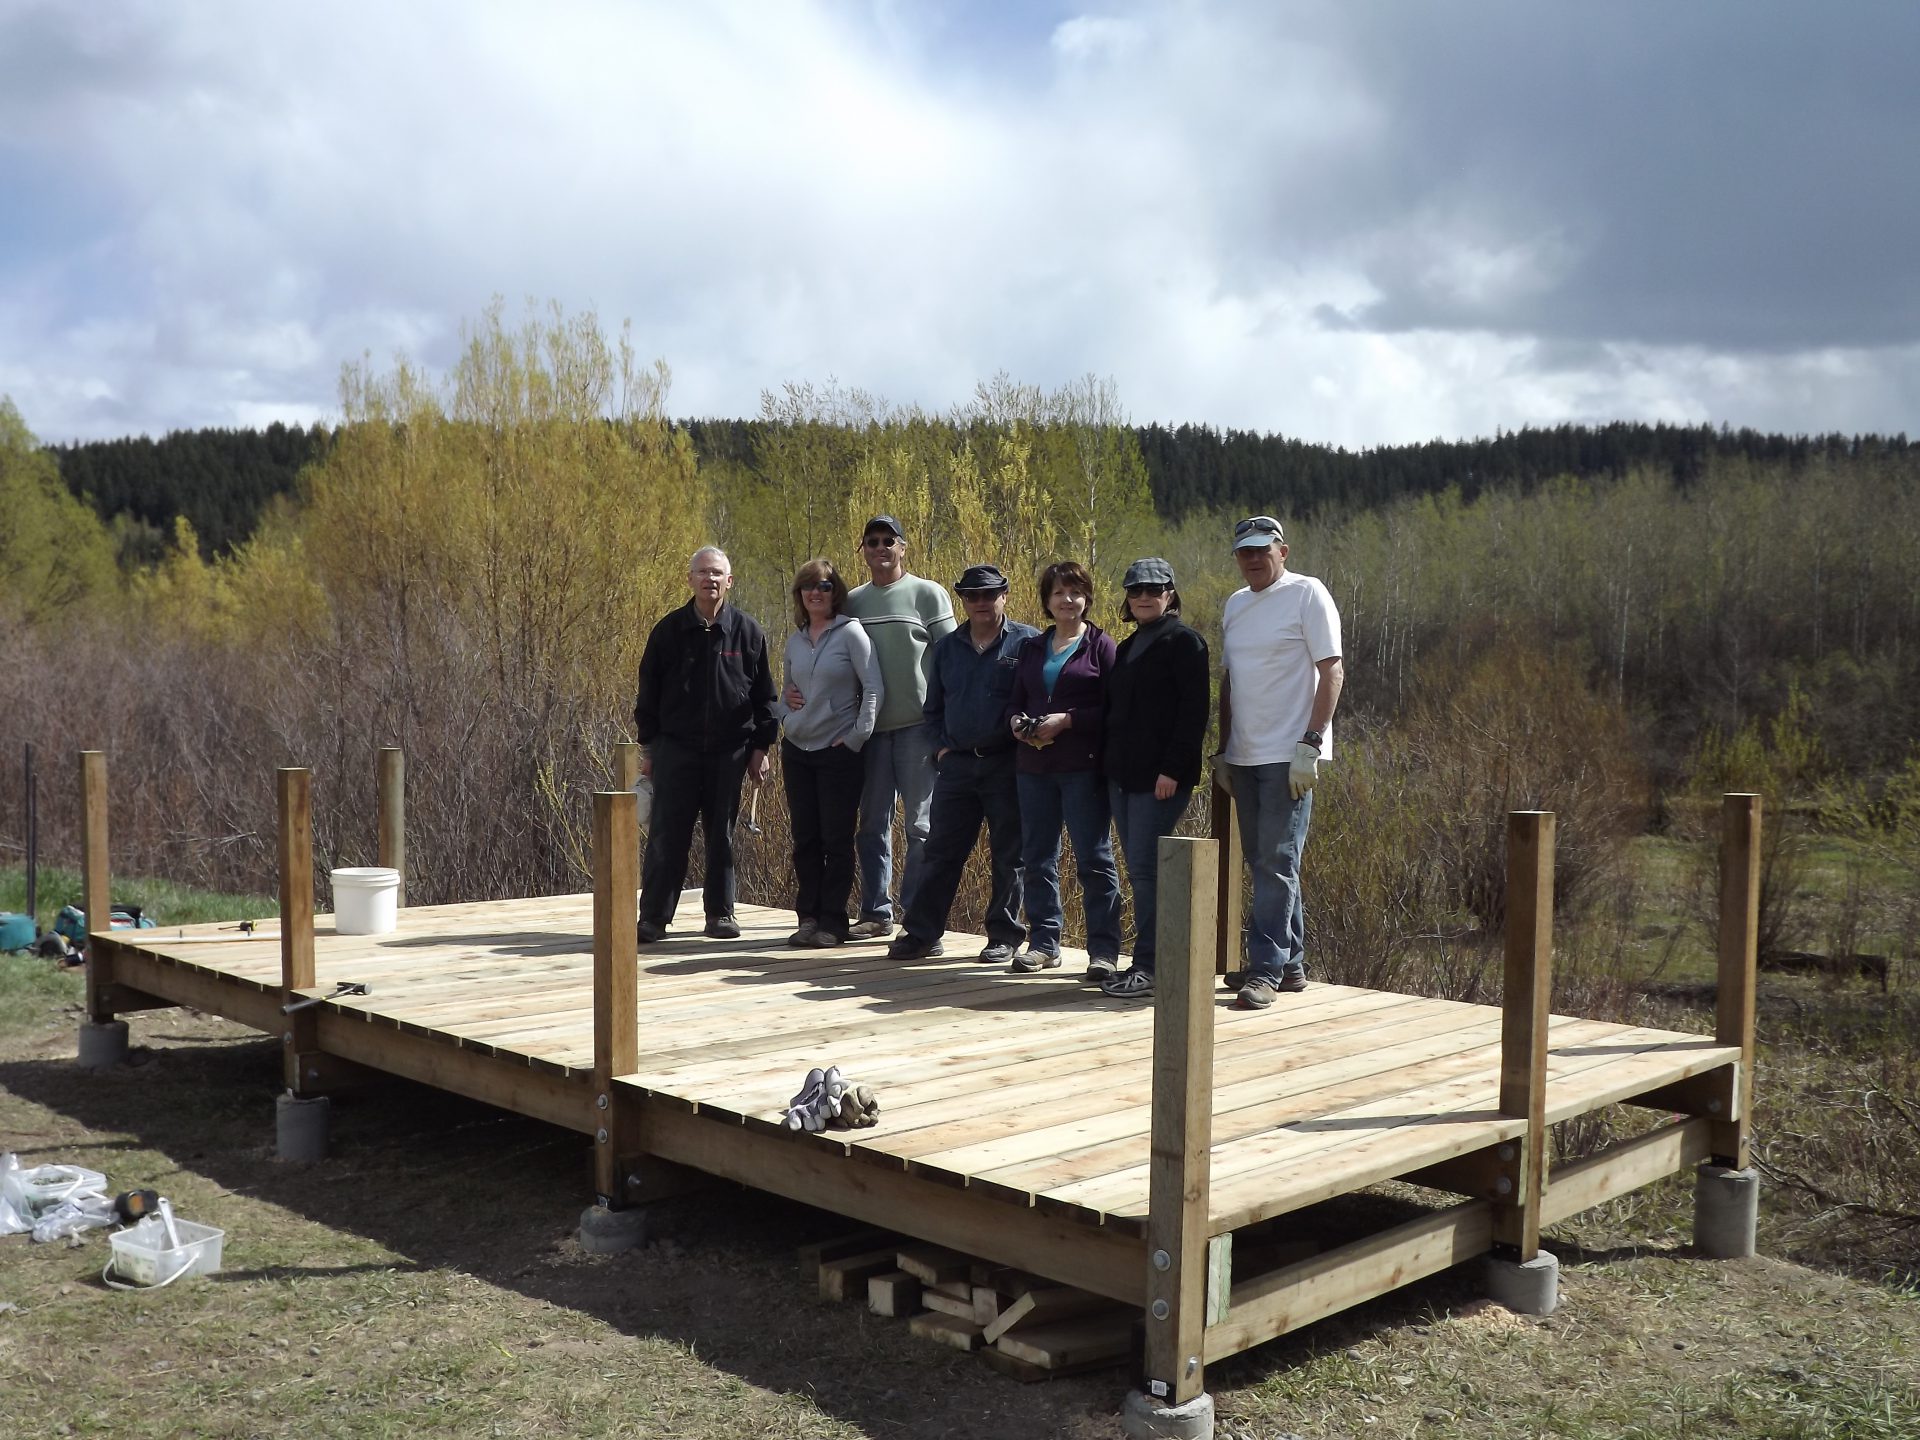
166,902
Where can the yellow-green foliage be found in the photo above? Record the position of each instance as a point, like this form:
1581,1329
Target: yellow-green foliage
1780,758
539,501
55,555
1019,478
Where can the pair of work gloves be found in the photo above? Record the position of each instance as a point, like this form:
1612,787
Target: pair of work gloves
1301,774
829,1098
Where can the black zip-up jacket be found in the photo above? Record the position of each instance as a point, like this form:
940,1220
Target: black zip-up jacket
1157,706
707,686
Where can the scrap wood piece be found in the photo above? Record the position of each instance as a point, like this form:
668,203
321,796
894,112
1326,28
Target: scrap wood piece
953,1289
934,1264
895,1294
1043,1306
852,1242
1071,1342
946,1330
986,1304
847,1276
947,1304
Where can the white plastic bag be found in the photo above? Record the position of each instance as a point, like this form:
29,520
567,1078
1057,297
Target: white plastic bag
73,1215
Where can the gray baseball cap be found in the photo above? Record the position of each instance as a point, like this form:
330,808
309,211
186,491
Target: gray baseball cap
1256,532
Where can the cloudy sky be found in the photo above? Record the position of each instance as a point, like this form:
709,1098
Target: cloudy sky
1362,224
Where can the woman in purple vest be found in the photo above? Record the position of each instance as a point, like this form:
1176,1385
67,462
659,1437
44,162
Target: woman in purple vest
1059,713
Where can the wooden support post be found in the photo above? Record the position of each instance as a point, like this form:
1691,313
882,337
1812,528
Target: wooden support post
1523,1022
295,798
1739,961
616,979
93,882
393,815
1177,1187
1226,829
626,765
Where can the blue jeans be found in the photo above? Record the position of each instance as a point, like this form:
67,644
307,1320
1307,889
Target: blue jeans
970,791
899,764
1141,821
1077,799
1273,833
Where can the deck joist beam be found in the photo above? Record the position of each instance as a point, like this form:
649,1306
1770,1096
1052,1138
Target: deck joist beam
1088,1256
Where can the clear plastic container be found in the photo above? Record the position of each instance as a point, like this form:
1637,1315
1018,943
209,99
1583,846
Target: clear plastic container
45,1187
142,1255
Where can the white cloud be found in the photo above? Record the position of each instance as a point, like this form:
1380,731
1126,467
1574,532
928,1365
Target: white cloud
1246,216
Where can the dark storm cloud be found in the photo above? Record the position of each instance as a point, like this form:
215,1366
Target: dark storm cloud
1726,175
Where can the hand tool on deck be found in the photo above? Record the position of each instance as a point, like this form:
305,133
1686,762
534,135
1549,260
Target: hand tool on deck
340,990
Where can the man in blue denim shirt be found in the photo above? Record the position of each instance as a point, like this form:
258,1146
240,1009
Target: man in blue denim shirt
969,694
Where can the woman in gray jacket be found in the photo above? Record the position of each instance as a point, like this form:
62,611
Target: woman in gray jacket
831,663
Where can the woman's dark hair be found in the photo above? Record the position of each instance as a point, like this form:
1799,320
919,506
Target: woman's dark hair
1173,605
1068,573
820,569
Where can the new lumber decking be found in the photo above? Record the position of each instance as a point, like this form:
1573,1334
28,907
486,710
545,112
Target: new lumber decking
1024,1089
1028,1120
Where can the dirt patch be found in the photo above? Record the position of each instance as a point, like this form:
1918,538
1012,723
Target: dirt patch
424,1280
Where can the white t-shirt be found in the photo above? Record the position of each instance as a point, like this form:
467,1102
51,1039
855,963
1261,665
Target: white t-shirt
1273,640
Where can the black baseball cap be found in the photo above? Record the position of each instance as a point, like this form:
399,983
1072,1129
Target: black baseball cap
980,577
884,522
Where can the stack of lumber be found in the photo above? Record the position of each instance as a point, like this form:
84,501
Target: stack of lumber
1021,1325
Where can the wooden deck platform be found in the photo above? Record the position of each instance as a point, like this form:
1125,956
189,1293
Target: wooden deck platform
1027,1119
1025,1089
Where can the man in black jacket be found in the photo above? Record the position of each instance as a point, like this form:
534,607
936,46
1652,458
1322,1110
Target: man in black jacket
705,719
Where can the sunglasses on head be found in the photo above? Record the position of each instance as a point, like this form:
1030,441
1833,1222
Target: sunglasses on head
1134,592
1253,526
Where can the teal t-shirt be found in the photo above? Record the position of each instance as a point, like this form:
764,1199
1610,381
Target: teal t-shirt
1055,662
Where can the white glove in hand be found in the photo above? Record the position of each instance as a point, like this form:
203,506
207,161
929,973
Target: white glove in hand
1304,771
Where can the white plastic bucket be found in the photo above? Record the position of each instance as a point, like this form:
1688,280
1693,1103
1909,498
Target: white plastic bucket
366,900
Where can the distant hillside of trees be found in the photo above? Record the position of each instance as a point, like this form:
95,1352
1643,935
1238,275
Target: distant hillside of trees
222,480
1195,467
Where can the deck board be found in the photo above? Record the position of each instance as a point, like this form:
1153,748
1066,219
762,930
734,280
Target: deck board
1031,1090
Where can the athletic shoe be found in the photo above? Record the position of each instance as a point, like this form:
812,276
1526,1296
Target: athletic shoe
908,948
1293,982
1258,993
871,930
1233,979
802,938
1132,983
722,927
650,931
1102,968
821,940
997,953
1033,958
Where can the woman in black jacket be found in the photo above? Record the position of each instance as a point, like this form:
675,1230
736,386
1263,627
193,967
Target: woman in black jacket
1156,725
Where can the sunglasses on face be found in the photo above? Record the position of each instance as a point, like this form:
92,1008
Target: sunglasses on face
973,597
824,587
882,542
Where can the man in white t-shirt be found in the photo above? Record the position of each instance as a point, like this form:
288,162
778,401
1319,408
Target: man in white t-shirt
1280,686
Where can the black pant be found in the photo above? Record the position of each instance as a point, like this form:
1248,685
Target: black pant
823,802
970,789
689,782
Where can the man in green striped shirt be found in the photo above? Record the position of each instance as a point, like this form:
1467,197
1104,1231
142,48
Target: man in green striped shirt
903,615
